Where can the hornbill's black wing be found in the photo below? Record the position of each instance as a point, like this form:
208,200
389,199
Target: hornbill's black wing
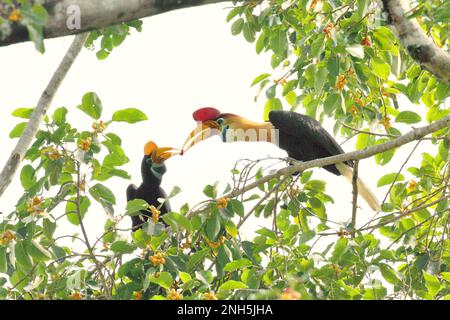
131,192
304,138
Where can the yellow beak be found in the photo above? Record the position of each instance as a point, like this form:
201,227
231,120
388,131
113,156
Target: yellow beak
203,131
160,155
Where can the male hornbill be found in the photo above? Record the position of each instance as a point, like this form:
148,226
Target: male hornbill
301,136
152,169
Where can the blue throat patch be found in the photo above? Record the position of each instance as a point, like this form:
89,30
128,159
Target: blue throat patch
158,170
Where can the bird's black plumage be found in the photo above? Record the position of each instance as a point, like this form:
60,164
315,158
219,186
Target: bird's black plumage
149,190
304,138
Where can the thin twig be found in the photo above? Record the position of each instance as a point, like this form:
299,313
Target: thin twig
86,238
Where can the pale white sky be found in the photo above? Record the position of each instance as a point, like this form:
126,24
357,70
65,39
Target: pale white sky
181,61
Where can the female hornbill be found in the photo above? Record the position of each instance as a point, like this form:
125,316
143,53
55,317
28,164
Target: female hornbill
152,169
301,136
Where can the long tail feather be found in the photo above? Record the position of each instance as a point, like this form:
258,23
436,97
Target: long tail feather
363,189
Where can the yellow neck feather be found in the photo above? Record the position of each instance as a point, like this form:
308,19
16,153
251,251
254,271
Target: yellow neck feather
247,130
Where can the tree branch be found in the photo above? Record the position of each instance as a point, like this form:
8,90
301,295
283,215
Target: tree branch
355,195
413,38
96,15
39,112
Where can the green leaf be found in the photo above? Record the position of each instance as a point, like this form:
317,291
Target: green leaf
383,158
204,276
442,206
210,191
279,43
19,279
18,130
71,209
408,117
320,78
237,264
104,196
184,276
91,105
35,32
197,258
272,104
260,43
389,274
445,276
27,177
3,260
213,225
135,206
179,219
333,66
362,141
22,257
331,102
237,26
389,178
231,228
24,113
260,78
38,252
233,13
443,149
237,207
164,279
289,86
362,8
271,92
432,283
122,247
102,54
249,33
380,68
317,45
232,285
130,115
59,116
102,193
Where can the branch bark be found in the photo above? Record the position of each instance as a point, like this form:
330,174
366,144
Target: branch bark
97,15
415,134
355,195
413,38
39,113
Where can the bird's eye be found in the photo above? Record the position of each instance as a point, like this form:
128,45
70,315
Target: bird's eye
220,121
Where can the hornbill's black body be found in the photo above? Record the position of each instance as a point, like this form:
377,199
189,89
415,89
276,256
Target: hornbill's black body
304,139
149,190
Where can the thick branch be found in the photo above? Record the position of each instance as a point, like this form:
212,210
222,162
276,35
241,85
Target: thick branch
415,134
39,113
413,38
96,15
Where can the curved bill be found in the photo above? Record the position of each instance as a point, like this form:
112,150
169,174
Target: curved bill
162,154
203,131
